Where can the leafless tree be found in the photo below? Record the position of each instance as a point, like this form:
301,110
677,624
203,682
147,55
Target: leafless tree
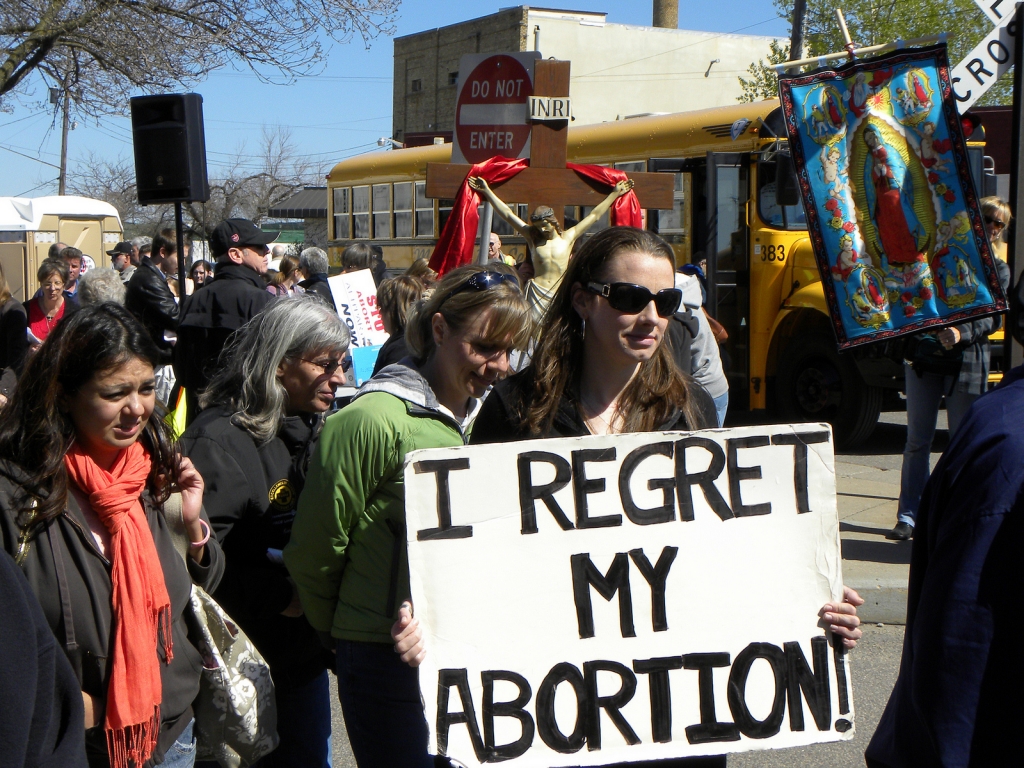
100,50
113,181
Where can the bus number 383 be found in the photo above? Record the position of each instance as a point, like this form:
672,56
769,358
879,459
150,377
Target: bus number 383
773,253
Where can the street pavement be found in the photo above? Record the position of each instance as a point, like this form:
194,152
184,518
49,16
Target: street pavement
867,487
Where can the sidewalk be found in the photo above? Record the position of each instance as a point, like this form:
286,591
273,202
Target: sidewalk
867,489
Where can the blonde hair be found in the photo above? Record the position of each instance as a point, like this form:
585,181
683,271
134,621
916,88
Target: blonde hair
395,297
510,314
993,204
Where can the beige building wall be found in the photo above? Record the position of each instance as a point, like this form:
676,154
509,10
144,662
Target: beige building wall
617,69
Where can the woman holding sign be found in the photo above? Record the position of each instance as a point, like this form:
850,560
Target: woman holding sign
600,368
347,553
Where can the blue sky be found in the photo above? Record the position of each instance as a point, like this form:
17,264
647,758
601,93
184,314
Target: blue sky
338,113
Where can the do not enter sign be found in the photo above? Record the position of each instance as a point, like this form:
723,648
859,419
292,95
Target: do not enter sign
491,107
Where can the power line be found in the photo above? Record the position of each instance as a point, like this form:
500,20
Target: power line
37,186
22,154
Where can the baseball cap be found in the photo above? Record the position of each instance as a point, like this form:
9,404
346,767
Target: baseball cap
236,233
121,248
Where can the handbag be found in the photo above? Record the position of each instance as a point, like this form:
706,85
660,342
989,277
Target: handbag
235,711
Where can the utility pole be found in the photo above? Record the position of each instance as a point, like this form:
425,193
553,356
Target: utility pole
62,182
796,37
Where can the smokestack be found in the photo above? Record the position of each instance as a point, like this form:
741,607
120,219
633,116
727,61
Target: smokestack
666,13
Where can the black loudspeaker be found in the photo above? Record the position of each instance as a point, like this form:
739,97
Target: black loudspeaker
170,148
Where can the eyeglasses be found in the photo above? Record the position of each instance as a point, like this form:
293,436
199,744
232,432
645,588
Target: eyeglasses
481,281
995,222
631,299
331,366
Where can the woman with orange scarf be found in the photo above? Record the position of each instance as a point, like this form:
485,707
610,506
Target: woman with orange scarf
84,475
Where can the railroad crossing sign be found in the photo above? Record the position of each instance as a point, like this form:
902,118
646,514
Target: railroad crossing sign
991,58
490,109
547,181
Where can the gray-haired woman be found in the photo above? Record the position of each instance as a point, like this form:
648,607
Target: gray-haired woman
261,419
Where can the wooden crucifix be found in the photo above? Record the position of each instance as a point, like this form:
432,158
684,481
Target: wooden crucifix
547,182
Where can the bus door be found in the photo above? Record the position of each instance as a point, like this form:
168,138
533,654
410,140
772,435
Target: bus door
728,265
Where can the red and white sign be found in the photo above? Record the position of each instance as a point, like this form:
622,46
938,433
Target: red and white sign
491,116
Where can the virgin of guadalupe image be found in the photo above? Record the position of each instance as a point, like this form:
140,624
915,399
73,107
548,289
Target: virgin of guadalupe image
895,209
867,298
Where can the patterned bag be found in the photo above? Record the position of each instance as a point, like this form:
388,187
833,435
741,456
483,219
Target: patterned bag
236,714
235,711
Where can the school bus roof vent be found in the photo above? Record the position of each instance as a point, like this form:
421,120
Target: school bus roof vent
719,131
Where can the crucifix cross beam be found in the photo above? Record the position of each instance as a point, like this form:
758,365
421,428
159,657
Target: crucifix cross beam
547,181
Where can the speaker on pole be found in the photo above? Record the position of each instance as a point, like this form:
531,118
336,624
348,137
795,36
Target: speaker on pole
170,148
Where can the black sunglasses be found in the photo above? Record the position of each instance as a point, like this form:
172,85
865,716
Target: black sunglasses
990,220
481,281
331,365
631,299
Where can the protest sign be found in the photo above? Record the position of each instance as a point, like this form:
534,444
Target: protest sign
355,296
629,597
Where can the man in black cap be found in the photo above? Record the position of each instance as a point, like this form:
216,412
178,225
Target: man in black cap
235,296
121,260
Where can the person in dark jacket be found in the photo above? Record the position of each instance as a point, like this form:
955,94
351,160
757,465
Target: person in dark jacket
395,297
956,701
262,415
313,265
46,726
149,298
84,474
13,338
235,296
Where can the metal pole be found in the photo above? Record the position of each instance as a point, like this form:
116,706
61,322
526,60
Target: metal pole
484,233
179,229
1012,352
62,182
796,37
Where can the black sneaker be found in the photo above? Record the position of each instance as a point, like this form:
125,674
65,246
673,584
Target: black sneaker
901,532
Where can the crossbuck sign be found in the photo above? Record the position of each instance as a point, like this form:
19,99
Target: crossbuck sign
991,58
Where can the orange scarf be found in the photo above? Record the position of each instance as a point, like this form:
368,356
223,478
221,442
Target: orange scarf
141,605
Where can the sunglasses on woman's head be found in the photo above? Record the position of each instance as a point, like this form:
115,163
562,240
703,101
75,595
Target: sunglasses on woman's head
631,299
481,281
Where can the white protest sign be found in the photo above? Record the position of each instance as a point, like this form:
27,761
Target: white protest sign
990,60
997,10
630,597
355,296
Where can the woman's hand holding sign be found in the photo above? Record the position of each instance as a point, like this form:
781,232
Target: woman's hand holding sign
408,636
842,617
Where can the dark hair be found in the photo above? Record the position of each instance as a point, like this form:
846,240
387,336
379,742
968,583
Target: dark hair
286,267
53,267
358,255
657,391
200,263
168,244
511,315
395,297
70,253
541,214
35,433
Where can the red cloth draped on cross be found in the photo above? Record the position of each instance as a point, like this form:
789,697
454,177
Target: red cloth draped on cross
455,245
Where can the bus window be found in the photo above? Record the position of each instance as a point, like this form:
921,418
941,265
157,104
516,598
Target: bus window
361,213
502,228
424,211
341,212
771,213
381,211
444,210
673,222
403,209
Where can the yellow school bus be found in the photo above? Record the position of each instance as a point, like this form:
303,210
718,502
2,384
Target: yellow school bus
763,283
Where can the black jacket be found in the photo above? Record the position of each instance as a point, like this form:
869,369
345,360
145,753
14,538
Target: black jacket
234,297
498,421
394,350
318,284
13,335
149,298
88,585
43,716
251,496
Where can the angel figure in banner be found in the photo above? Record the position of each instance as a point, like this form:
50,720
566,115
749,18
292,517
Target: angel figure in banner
895,210
550,247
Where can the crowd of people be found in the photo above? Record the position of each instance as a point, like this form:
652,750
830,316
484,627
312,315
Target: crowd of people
294,508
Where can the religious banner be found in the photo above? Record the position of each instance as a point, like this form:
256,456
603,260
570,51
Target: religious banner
606,599
892,213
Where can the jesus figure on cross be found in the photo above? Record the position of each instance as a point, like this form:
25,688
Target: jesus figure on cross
550,247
